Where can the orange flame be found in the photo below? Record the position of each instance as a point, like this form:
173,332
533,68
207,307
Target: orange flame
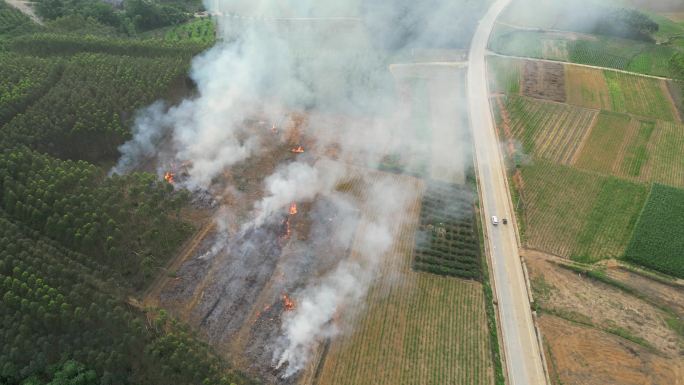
293,208
297,150
168,176
288,303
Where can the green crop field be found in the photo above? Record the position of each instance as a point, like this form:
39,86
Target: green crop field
666,156
548,130
639,95
657,241
636,153
505,75
572,213
601,53
447,242
604,142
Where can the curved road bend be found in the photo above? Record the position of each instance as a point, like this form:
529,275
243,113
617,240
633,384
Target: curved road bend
521,349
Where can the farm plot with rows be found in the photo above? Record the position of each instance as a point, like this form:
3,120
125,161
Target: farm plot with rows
586,87
605,141
447,242
548,130
603,52
415,328
572,213
542,80
505,74
666,154
639,96
657,241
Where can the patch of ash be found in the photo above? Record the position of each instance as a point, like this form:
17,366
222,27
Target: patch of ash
238,278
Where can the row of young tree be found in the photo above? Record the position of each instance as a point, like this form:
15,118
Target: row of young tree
57,307
75,243
88,112
128,16
127,223
23,80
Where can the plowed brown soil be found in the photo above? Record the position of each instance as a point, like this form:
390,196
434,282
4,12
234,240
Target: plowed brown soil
543,80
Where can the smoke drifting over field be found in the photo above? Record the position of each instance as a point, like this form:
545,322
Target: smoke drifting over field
330,60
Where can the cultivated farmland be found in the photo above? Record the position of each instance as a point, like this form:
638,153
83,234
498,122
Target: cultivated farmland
586,87
639,95
604,143
548,130
417,328
578,214
666,154
657,241
447,241
505,74
544,80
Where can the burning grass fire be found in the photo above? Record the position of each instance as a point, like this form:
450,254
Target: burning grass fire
314,226
288,303
169,177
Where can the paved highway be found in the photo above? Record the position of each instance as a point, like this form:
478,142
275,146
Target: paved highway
520,347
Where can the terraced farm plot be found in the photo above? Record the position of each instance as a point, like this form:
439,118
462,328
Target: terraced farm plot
586,87
639,96
572,213
543,80
549,130
447,242
505,75
657,241
605,141
666,154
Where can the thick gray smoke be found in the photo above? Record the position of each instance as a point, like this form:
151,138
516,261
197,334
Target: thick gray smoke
330,59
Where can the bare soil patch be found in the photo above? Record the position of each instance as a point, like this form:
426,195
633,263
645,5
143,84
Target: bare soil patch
579,355
544,80
565,293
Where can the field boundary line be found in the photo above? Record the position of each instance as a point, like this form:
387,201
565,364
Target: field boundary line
152,292
673,105
492,53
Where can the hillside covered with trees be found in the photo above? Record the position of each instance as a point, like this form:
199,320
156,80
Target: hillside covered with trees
76,244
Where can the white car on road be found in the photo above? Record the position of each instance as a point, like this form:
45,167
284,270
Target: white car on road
495,220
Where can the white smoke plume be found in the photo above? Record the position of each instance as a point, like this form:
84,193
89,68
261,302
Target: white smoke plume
268,63
348,283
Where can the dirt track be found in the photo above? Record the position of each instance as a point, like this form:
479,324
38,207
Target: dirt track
26,8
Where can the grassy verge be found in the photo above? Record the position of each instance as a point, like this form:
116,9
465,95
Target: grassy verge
499,378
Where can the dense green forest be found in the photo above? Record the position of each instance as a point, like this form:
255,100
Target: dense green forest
76,244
